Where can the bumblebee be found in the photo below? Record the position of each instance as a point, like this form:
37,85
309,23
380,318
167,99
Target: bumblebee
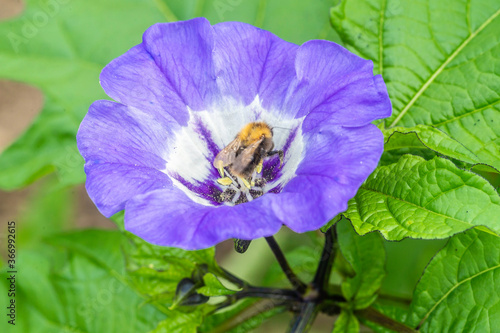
244,156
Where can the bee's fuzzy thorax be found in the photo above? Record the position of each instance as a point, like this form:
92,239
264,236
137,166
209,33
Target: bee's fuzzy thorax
254,131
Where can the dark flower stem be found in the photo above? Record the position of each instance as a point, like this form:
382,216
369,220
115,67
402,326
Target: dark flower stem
279,296
232,278
274,293
294,280
322,276
254,310
303,320
315,296
393,298
306,301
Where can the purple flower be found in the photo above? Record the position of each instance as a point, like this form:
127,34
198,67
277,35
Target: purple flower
183,95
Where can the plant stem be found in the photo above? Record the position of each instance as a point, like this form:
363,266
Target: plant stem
393,298
303,321
274,293
255,309
232,278
322,276
283,296
379,318
294,280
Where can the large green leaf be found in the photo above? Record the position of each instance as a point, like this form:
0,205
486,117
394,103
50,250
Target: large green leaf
422,137
366,254
423,199
459,289
78,284
440,60
61,47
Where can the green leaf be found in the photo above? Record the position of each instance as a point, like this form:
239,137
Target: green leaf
441,66
213,287
423,199
48,146
178,322
406,260
346,323
331,223
61,47
366,254
63,56
157,270
300,22
50,210
423,136
81,275
459,289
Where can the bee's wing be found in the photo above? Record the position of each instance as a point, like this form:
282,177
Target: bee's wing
246,157
227,155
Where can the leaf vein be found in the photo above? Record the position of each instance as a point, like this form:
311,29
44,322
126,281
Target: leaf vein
438,71
451,290
380,39
468,113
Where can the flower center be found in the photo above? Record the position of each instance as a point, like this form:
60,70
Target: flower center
260,160
240,163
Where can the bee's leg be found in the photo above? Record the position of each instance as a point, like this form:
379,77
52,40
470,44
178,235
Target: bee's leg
280,153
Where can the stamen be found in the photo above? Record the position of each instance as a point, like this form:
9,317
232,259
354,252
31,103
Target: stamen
246,183
236,197
254,175
242,184
259,166
249,196
220,168
229,175
226,181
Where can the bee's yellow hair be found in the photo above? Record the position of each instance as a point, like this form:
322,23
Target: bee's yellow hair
253,132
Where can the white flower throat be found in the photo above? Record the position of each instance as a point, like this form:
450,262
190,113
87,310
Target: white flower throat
194,165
